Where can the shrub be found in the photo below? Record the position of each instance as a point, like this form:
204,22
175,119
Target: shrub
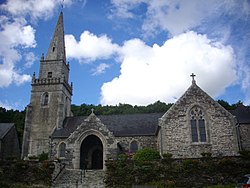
245,154
191,164
20,165
167,156
163,184
226,165
206,155
43,157
122,160
147,154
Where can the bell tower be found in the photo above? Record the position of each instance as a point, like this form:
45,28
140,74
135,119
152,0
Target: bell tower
51,94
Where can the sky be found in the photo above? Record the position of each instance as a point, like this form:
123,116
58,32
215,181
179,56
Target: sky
134,52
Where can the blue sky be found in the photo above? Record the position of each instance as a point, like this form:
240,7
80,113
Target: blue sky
135,52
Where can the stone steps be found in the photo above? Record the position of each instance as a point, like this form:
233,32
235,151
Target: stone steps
71,178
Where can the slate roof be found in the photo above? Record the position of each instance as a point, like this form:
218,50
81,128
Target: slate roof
242,114
120,125
4,129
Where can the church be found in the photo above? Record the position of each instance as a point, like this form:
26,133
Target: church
195,124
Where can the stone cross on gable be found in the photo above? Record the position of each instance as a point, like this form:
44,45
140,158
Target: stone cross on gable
193,80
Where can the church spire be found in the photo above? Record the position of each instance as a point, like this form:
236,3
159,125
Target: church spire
56,49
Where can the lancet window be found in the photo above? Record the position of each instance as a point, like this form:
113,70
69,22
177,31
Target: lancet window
45,99
198,126
62,150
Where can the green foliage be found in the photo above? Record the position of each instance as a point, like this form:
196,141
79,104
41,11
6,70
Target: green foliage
43,156
221,186
178,173
167,156
226,164
147,154
24,174
85,110
226,105
22,165
14,116
245,154
122,160
189,164
206,155
163,184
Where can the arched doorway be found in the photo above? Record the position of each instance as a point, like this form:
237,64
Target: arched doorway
91,154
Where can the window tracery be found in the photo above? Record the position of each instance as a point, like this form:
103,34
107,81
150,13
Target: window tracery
198,126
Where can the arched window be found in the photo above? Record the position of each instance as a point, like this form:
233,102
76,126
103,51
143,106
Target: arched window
198,127
62,150
45,99
133,147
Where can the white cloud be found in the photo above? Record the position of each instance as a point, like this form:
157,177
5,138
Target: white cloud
100,69
6,105
122,8
30,58
176,16
13,34
35,9
162,72
90,47
12,105
16,34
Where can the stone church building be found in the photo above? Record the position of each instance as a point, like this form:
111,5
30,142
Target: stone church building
195,124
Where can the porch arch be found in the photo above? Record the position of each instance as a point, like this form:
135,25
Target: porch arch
95,149
91,153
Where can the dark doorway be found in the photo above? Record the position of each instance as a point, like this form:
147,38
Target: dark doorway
91,154
97,158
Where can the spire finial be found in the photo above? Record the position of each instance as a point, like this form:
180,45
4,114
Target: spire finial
92,110
62,4
193,80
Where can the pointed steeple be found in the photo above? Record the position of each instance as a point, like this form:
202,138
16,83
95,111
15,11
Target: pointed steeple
57,45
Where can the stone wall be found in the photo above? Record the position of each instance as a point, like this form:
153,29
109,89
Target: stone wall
90,126
244,136
142,141
175,134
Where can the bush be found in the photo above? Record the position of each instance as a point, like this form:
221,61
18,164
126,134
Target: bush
147,154
206,155
190,164
122,160
43,157
245,154
167,157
